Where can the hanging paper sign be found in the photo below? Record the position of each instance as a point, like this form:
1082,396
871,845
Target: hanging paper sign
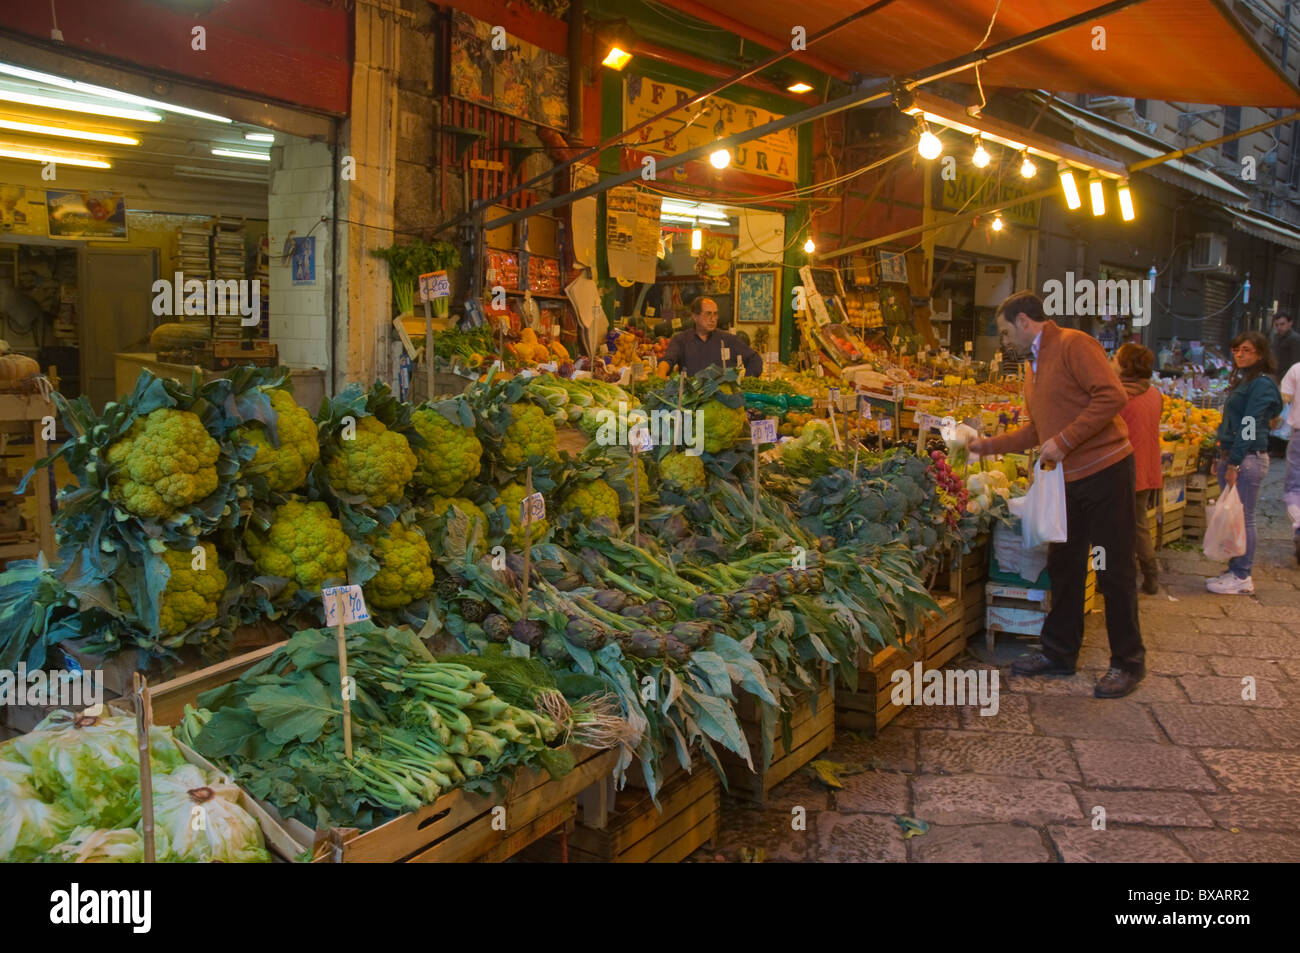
864,408
354,605
434,285
532,509
762,431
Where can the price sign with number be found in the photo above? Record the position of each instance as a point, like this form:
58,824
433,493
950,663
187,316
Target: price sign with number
898,392
649,311
886,424
726,353
434,285
548,367
864,408
640,438
532,509
354,605
926,421
833,394
762,431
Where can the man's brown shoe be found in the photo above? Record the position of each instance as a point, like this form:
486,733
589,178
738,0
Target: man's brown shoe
1116,683
1039,664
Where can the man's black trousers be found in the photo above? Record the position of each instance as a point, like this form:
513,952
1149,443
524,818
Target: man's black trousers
1101,511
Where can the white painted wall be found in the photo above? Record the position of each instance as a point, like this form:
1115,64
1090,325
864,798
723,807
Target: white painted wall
302,194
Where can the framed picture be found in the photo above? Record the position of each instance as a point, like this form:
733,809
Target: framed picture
758,295
98,215
893,267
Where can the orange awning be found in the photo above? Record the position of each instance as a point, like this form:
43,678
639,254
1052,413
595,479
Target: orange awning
1191,51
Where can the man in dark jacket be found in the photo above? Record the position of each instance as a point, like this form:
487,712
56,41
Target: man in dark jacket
705,346
1285,345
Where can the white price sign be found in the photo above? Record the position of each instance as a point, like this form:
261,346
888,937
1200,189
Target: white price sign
762,431
886,424
821,371
929,422
898,392
833,394
354,605
864,408
532,509
641,438
434,285
552,368
726,353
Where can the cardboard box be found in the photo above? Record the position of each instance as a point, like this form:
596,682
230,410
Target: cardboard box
1017,621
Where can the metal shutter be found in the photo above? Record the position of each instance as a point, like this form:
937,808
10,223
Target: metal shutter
1215,312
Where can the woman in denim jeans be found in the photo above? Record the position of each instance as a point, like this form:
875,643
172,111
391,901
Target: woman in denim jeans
1253,402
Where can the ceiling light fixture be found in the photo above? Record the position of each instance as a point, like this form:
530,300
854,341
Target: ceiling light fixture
697,238
1125,202
1027,168
28,155
928,145
980,157
799,87
616,58
1071,188
1098,196
49,79
259,137
76,105
997,222
236,154
224,175
720,159
41,129
809,246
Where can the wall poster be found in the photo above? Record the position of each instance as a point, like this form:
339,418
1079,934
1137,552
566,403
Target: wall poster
521,80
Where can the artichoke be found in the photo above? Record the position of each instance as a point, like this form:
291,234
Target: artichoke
473,610
553,649
644,643
637,612
675,650
816,580
786,583
661,610
586,633
611,600
763,584
496,627
449,587
712,606
750,605
527,631
692,633
802,581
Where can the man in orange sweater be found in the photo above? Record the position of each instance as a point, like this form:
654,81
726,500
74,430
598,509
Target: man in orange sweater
1073,397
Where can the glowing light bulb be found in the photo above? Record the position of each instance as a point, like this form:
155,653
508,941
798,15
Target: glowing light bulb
1027,168
720,159
997,222
980,158
1072,199
809,246
1098,196
1126,202
929,145
697,239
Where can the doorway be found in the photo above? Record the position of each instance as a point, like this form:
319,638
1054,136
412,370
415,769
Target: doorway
117,300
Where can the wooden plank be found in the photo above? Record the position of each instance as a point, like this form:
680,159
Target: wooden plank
703,833
170,698
637,817
799,757
534,831
666,837
948,652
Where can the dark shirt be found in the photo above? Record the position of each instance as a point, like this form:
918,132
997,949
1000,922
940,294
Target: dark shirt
687,351
1286,351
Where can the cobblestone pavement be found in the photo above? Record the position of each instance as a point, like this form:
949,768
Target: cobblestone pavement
1185,769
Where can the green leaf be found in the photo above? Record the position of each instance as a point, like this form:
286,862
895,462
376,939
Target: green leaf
293,713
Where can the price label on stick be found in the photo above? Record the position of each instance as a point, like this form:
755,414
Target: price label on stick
886,424
640,438
532,509
864,408
434,285
354,605
833,394
772,357
762,431
726,354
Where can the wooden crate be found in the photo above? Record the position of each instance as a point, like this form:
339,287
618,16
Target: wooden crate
638,832
1202,490
1171,528
870,708
965,570
944,635
811,734
972,599
458,827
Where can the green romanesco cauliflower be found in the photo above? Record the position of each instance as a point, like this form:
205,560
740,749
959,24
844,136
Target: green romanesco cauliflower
164,462
511,496
452,456
593,499
376,463
531,434
683,470
441,504
722,425
285,466
304,544
192,594
405,573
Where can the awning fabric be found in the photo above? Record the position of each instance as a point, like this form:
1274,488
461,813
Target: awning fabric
1180,50
1266,227
1093,132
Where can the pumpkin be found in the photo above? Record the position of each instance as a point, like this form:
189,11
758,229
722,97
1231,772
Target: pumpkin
176,335
17,367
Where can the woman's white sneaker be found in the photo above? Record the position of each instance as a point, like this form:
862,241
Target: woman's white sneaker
1229,585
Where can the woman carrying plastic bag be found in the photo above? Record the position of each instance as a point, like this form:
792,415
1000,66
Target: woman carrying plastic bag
1225,530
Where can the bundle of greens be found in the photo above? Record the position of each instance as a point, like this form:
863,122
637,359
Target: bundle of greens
70,791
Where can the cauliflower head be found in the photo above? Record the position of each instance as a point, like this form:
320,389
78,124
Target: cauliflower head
441,504
531,434
405,573
722,425
592,499
511,496
192,594
285,466
452,457
683,470
164,462
376,463
304,544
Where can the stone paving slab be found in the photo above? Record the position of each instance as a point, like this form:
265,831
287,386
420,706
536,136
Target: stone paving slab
1281,726
1025,756
1279,598
1235,626
1227,691
1211,725
1187,639
1146,808
1247,847
1012,715
1291,667
1269,812
873,792
1137,764
1083,717
1163,662
743,827
1250,611
859,838
1240,665
1116,846
975,799
890,751
926,716
1152,688
980,844
1258,772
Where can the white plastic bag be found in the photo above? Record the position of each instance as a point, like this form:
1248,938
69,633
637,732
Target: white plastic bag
1225,529
1042,517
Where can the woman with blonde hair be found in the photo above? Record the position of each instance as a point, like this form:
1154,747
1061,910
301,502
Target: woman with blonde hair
1141,414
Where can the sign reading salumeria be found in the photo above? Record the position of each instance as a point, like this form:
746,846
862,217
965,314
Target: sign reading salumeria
775,155
956,186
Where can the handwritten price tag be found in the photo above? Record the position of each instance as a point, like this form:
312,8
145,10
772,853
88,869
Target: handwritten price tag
772,357
864,408
833,394
532,509
926,421
641,438
726,353
434,285
762,431
354,605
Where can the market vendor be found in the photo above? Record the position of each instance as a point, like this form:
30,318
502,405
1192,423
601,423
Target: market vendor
705,346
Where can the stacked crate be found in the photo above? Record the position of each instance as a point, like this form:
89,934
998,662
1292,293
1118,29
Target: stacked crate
1202,490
